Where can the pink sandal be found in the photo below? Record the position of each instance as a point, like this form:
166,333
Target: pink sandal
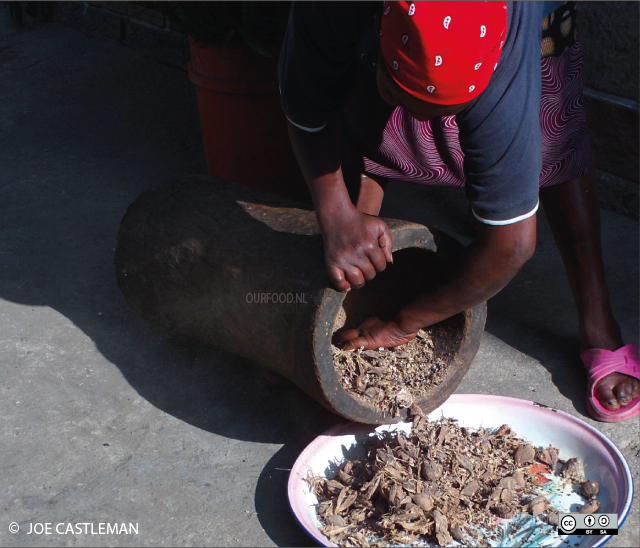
599,364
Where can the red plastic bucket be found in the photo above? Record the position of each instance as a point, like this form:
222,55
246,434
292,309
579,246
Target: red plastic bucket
243,126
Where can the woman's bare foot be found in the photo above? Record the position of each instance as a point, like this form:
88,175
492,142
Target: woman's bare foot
574,216
615,391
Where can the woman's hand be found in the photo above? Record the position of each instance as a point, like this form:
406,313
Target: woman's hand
375,333
356,246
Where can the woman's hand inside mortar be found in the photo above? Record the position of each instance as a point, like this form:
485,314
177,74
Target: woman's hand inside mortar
375,333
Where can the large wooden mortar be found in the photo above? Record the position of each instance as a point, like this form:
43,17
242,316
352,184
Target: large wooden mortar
199,256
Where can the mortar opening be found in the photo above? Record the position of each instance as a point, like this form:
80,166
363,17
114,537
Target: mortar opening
396,377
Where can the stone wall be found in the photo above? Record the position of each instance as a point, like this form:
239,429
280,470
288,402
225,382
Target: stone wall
142,29
608,32
609,35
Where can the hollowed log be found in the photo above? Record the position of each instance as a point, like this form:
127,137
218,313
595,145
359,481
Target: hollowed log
206,258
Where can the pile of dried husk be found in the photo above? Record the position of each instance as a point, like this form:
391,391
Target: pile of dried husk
392,378
439,483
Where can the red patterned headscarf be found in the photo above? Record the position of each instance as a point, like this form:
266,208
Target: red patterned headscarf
443,52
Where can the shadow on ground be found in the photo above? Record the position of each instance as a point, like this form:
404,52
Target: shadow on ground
83,134
271,500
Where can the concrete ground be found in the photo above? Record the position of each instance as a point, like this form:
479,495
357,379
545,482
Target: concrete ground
106,418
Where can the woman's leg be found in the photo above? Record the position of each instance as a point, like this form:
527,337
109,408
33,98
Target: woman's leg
574,216
366,192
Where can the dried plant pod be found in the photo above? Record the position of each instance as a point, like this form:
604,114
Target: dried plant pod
590,489
470,489
458,532
419,423
573,469
464,462
403,397
345,499
325,509
345,478
374,393
358,515
360,384
538,505
524,454
404,539
590,508
507,495
442,434
518,477
486,446
424,501
394,472
442,528
334,486
508,483
410,485
385,457
372,487
430,487
539,508
336,521
488,476
412,451
417,410
505,511
431,470
422,527
396,495
543,456
452,492
494,497
333,531
504,430
538,499
414,509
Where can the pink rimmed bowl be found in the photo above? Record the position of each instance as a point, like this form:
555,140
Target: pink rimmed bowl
539,424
